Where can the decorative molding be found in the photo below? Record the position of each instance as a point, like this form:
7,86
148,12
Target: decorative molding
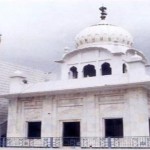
88,62
33,114
33,108
71,96
110,99
72,64
70,102
110,92
33,103
32,98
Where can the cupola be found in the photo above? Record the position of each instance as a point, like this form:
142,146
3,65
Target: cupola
102,34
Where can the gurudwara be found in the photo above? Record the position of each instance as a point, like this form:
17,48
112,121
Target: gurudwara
101,101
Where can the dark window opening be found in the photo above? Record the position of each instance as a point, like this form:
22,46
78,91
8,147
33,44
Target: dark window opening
73,73
106,69
114,128
25,81
89,71
124,68
34,129
71,134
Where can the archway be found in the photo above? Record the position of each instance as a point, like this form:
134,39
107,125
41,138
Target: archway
106,69
89,71
73,72
124,68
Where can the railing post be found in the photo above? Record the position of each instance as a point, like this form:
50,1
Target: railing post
51,142
109,142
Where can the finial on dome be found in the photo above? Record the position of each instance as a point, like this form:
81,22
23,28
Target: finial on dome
103,12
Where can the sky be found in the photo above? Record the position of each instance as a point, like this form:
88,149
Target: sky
35,32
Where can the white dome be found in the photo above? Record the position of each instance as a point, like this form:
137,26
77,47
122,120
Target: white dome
18,73
103,33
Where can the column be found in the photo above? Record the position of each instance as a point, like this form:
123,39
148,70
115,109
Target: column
91,115
47,117
12,118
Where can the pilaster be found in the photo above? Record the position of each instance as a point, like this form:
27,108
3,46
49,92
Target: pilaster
12,118
137,112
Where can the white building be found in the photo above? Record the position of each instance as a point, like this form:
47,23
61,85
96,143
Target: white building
101,101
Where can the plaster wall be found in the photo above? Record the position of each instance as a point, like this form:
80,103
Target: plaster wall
137,71
89,108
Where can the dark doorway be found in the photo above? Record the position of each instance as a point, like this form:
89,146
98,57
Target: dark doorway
89,71
124,68
34,129
114,128
106,69
73,72
71,134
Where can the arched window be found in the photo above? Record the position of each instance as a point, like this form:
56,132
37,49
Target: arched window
106,69
89,71
73,72
124,68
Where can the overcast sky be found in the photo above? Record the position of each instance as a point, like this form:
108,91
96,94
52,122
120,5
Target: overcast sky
35,32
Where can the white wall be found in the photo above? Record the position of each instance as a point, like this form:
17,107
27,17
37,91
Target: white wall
89,108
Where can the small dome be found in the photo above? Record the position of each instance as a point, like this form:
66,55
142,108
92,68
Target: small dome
103,33
18,73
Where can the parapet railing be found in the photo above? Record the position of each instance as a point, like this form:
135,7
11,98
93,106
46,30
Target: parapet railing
83,142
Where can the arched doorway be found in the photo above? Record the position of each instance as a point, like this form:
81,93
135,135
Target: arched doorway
89,71
106,69
73,72
124,68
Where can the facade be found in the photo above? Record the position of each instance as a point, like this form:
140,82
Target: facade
101,101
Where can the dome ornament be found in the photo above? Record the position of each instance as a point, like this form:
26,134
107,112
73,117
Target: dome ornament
103,12
104,33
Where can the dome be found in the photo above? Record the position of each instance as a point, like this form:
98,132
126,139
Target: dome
18,73
103,33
